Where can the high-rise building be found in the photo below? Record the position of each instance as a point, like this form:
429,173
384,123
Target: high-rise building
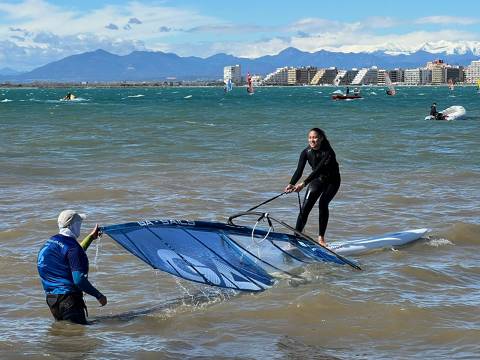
454,73
412,76
324,76
418,76
472,72
396,75
381,77
278,77
233,73
437,67
366,76
292,76
347,77
305,74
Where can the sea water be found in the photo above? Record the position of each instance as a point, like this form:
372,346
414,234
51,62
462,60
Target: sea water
129,154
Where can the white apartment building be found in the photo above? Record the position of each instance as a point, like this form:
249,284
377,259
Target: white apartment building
418,76
292,76
425,76
366,76
472,72
278,77
233,73
438,75
256,80
396,75
411,76
381,77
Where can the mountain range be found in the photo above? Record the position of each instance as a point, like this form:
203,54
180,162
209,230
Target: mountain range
102,66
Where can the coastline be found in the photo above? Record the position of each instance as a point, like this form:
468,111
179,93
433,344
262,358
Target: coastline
106,85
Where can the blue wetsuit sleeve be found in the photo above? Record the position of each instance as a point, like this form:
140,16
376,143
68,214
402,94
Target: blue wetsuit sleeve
81,281
78,262
301,165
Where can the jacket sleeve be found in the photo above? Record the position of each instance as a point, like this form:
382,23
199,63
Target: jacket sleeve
300,166
86,242
78,263
80,279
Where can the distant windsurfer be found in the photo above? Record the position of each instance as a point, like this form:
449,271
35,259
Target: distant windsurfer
323,182
63,268
249,84
69,96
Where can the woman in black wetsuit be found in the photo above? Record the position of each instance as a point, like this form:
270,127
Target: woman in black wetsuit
323,182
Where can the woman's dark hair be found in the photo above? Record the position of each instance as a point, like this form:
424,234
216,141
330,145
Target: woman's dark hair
323,138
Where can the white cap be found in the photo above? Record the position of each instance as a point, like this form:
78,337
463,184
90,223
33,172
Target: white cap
67,217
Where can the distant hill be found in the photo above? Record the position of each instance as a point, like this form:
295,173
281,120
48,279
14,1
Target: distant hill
103,66
8,71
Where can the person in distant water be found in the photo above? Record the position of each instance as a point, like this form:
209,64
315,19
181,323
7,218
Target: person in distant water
433,112
347,91
322,183
69,96
63,268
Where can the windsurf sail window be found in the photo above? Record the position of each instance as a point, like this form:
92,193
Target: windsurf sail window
218,254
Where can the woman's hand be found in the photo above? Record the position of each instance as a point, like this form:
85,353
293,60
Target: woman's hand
289,188
299,187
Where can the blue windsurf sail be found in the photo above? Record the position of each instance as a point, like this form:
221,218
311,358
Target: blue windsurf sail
218,254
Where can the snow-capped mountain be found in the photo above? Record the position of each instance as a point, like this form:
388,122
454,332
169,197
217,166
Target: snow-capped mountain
433,47
101,65
451,48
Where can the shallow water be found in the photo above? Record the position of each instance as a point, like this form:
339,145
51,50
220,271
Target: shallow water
195,153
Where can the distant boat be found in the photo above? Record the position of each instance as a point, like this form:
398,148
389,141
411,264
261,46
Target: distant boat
339,95
346,97
391,90
228,86
451,113
249,84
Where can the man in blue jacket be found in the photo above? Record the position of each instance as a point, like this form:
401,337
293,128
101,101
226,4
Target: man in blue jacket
63,268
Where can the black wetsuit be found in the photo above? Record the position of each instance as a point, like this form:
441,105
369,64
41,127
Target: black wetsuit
323,183
433,111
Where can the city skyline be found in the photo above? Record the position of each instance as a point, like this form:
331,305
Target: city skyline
36,32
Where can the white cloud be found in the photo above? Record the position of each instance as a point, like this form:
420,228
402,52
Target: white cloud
447,20
84,31
36,32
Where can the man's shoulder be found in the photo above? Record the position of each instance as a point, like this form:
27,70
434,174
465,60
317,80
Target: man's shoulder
64,242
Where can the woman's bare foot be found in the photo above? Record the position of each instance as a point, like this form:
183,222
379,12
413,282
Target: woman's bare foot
321,241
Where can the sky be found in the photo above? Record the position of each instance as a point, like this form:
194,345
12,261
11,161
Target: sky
36,32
